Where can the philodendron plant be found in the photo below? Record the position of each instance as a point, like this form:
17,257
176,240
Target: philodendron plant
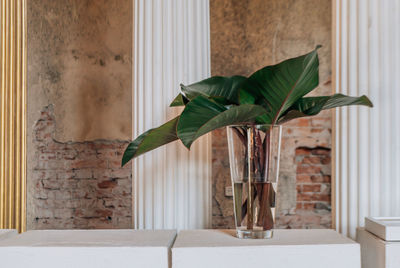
272,95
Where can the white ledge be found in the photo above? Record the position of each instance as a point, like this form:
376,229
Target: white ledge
196,248
88,248
288,248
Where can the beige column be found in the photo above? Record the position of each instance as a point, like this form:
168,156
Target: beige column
13,114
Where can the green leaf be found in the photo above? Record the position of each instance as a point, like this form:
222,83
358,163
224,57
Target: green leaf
216,87
179,100
202,115
151,139
309,106
279,86
339,100
274,94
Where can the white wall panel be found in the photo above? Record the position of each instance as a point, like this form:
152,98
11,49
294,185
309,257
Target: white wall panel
172,187
367,140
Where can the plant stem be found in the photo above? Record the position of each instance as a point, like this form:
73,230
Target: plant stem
250,135
241,136
256,174
261,154
237,194
266,195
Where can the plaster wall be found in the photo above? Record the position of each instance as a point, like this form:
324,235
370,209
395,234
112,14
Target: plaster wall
79,62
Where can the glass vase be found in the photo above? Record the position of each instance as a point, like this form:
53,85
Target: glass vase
254,152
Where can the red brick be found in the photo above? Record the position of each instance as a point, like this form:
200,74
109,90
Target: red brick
317,130
101,146
115,164
303,122
109,154
326,160
321,197
104,212
311,160
299,188
107,184
312,188
320,178
68,154
303,178
51,184
321,151
303,151
47,156
303,169
308,205
304,197
96,163
120,172
323,122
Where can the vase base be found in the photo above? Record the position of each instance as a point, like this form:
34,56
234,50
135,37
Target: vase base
254,234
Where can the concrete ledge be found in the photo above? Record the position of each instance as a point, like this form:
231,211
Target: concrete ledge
194,249
88,248
288,248
7,233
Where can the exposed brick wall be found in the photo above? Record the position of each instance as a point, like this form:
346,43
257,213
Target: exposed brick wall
313,187
78,184
313,184
305,177
222,206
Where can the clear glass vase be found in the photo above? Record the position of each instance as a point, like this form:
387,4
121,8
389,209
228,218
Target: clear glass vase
254,152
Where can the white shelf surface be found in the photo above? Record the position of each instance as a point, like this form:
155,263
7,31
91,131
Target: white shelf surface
7,233
387,228
288,248
88,248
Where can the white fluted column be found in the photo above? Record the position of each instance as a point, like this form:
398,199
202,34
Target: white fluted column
367,140
172,187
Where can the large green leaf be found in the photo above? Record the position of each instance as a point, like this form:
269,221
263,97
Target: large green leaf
202,115
339,100
216,87
274,94
179,100
150,140
279,86
309,106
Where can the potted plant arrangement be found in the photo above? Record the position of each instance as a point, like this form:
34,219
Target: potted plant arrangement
252,109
